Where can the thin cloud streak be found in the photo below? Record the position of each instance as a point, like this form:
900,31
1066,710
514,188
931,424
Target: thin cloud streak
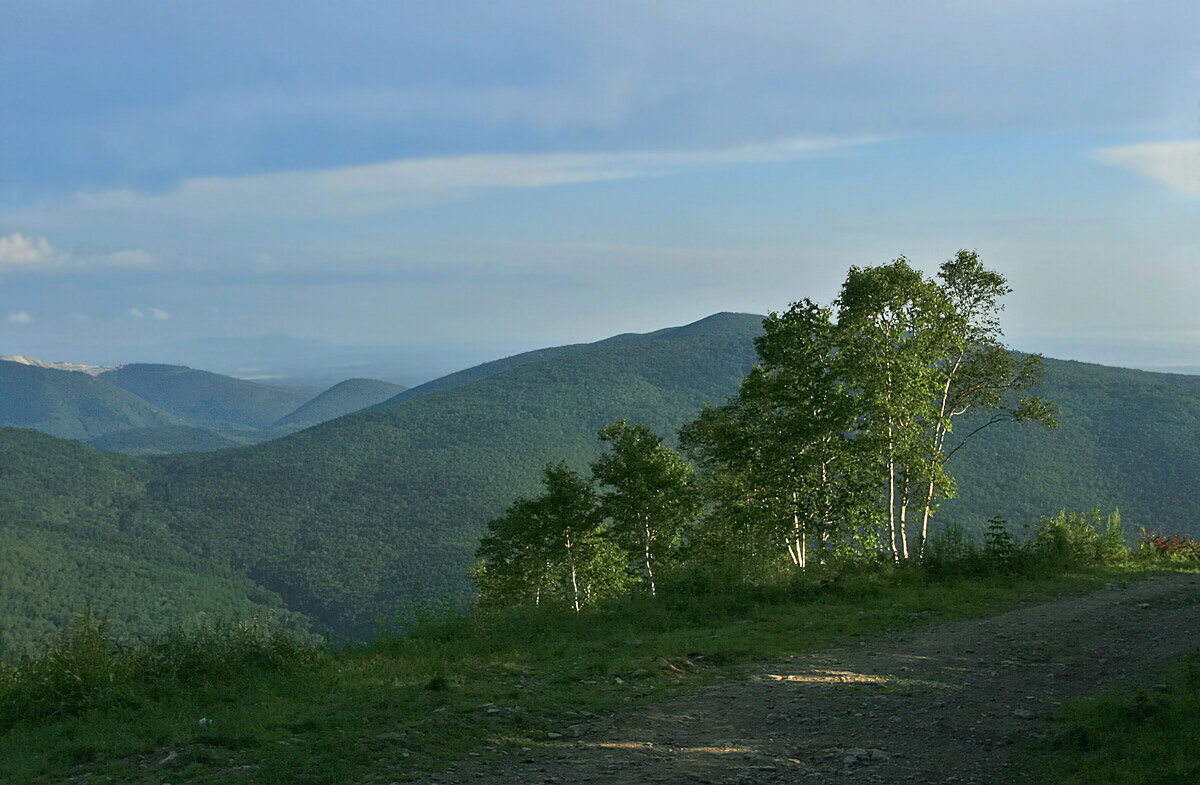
385,187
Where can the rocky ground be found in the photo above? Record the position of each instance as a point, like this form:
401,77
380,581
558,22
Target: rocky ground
940,704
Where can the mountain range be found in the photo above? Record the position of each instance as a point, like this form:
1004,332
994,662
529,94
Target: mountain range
345,523
155,409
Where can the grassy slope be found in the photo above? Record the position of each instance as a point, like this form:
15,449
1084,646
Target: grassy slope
206,399
70,404
1125,736
341,399
404,707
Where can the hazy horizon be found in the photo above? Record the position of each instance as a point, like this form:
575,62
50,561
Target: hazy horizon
533,174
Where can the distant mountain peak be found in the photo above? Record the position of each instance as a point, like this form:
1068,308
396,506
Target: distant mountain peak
90,370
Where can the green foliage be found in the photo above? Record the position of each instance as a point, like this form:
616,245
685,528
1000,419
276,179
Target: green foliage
551,548
998,543
1071,537
777,465
1126,736
651,495
85,667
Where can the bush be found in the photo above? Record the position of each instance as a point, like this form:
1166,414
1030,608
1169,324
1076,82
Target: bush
1178,547
998,544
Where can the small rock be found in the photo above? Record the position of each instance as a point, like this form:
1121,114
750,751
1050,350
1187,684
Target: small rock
618,680
1023,714
1143,605
857,752
639,672
878,754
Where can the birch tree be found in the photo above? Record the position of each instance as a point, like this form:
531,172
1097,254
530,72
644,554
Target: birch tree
650,494
779,450
893,323
551,545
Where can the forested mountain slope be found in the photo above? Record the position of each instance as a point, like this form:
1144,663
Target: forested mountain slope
349,520
343,398
718,322
1126,438
163,440
206,399
74,533
71,404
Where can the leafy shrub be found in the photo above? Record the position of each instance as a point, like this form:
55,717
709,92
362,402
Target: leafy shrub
1176,547
998,544
1076,538
1069,538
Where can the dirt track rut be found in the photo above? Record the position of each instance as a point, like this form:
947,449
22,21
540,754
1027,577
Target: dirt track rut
939,704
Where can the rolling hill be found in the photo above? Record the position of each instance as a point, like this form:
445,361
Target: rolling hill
71,404
343,398
205,399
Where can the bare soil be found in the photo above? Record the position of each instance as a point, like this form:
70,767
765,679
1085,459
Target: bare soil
939,704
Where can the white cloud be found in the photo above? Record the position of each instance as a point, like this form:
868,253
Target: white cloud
384,187
27,253
157,314
20,317
17,250
1176,164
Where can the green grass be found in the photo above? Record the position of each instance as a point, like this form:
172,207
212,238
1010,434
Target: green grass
1127,736
263,710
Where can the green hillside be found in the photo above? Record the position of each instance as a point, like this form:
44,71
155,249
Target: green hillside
75,532
71,404
206,399
343,398
475,373
1126,438
162,440
350,518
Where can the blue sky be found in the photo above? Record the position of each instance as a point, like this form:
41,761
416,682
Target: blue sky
537,173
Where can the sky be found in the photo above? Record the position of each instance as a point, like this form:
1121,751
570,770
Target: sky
536,173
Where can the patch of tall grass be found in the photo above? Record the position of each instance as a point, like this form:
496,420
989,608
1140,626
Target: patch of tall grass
85,667
1126,736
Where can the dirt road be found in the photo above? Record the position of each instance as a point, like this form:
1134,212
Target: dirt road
941,704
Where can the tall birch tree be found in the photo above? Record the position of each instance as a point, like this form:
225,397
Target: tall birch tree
648,494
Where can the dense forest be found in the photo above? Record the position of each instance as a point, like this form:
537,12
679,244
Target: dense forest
346,522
